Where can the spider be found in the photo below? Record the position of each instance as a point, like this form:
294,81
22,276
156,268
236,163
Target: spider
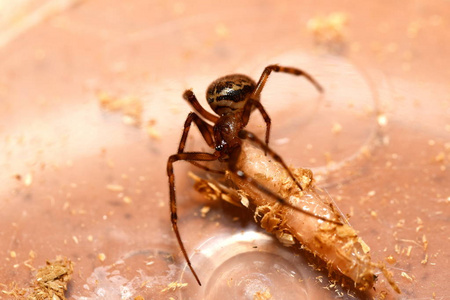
232,98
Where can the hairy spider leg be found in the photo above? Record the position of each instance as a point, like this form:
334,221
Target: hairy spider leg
187,156
207,132
189,96
205,129
207,169
276,68
253,102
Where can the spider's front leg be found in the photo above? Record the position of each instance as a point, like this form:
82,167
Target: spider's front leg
205,129
207,132
189,96
276,68
191,157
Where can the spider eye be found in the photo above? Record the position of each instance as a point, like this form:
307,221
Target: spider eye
219,148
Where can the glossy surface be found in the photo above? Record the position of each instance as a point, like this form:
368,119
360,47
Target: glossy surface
78,180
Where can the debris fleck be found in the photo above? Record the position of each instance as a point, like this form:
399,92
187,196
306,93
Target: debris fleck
329,31
262,295
205,209
101,256
151,130
173,286
425,242
115,187
405,275
425,260
390,259
337,128
130,107
28,180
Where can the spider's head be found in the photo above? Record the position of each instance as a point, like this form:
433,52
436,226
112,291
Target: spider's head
228,94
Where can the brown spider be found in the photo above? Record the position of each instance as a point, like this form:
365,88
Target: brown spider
233,98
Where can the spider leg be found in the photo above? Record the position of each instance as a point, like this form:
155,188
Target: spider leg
232,166
205,129
222,172
246,115
207,133
276,68
190,97
187,156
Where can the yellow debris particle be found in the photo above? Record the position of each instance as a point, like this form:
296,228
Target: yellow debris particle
401,223
173,286
114,187
425,242
205,209
390,259
101,256
337,128
439,157
382,120
28,180
130,107
127,200
151,130
222,30
408,252
329,31
262,295
405,275
425,260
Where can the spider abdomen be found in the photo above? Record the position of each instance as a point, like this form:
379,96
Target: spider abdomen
228,94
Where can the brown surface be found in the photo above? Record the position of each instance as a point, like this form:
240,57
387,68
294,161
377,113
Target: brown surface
78,181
